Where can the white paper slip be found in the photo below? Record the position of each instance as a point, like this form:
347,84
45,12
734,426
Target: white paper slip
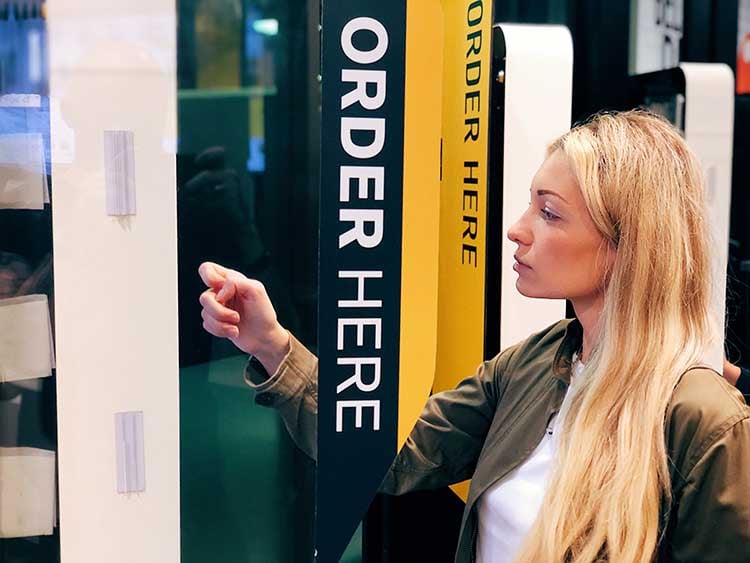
27,492
119,171
23,180
25,344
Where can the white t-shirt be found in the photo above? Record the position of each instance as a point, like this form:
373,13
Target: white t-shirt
509,507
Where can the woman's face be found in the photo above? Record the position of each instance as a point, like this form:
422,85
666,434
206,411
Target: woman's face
560,252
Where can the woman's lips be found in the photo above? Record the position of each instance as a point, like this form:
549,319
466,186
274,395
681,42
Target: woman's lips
519,265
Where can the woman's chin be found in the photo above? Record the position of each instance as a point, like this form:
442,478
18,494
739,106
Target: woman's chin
523,288
527,290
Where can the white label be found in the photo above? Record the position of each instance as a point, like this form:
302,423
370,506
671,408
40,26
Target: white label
131,470
119,170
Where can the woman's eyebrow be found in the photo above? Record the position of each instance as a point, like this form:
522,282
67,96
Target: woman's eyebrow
550,192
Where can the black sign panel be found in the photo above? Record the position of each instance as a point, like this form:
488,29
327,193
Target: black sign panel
363,50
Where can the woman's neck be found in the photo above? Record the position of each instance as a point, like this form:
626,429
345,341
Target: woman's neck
588,311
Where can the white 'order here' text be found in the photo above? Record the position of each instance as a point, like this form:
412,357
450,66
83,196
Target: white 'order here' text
362,226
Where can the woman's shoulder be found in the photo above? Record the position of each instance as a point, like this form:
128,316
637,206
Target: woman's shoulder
702,395
536,351
704,408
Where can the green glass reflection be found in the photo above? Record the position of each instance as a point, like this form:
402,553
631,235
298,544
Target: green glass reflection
247,173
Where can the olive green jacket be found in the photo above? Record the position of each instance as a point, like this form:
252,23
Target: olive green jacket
492,421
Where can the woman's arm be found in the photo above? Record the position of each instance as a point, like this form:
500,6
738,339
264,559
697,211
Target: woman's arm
444,445
713,509
292,390
442,449
446,441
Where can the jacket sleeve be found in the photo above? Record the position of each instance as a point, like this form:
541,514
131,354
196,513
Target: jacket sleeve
442,449
444,446
713,510
293,392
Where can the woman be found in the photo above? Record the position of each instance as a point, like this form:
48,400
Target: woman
609,422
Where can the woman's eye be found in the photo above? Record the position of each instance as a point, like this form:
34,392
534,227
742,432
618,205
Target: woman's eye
548,215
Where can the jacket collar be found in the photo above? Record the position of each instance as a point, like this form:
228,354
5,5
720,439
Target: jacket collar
570,344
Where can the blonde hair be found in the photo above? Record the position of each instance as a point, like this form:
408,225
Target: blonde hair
644,190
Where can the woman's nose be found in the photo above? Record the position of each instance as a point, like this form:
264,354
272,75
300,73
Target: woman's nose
519,234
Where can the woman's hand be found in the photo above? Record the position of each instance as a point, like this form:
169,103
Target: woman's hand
238,308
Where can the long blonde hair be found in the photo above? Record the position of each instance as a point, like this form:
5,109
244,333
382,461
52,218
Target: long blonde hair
644,190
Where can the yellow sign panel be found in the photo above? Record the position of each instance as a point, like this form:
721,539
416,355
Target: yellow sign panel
445,191
421,212
463,189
